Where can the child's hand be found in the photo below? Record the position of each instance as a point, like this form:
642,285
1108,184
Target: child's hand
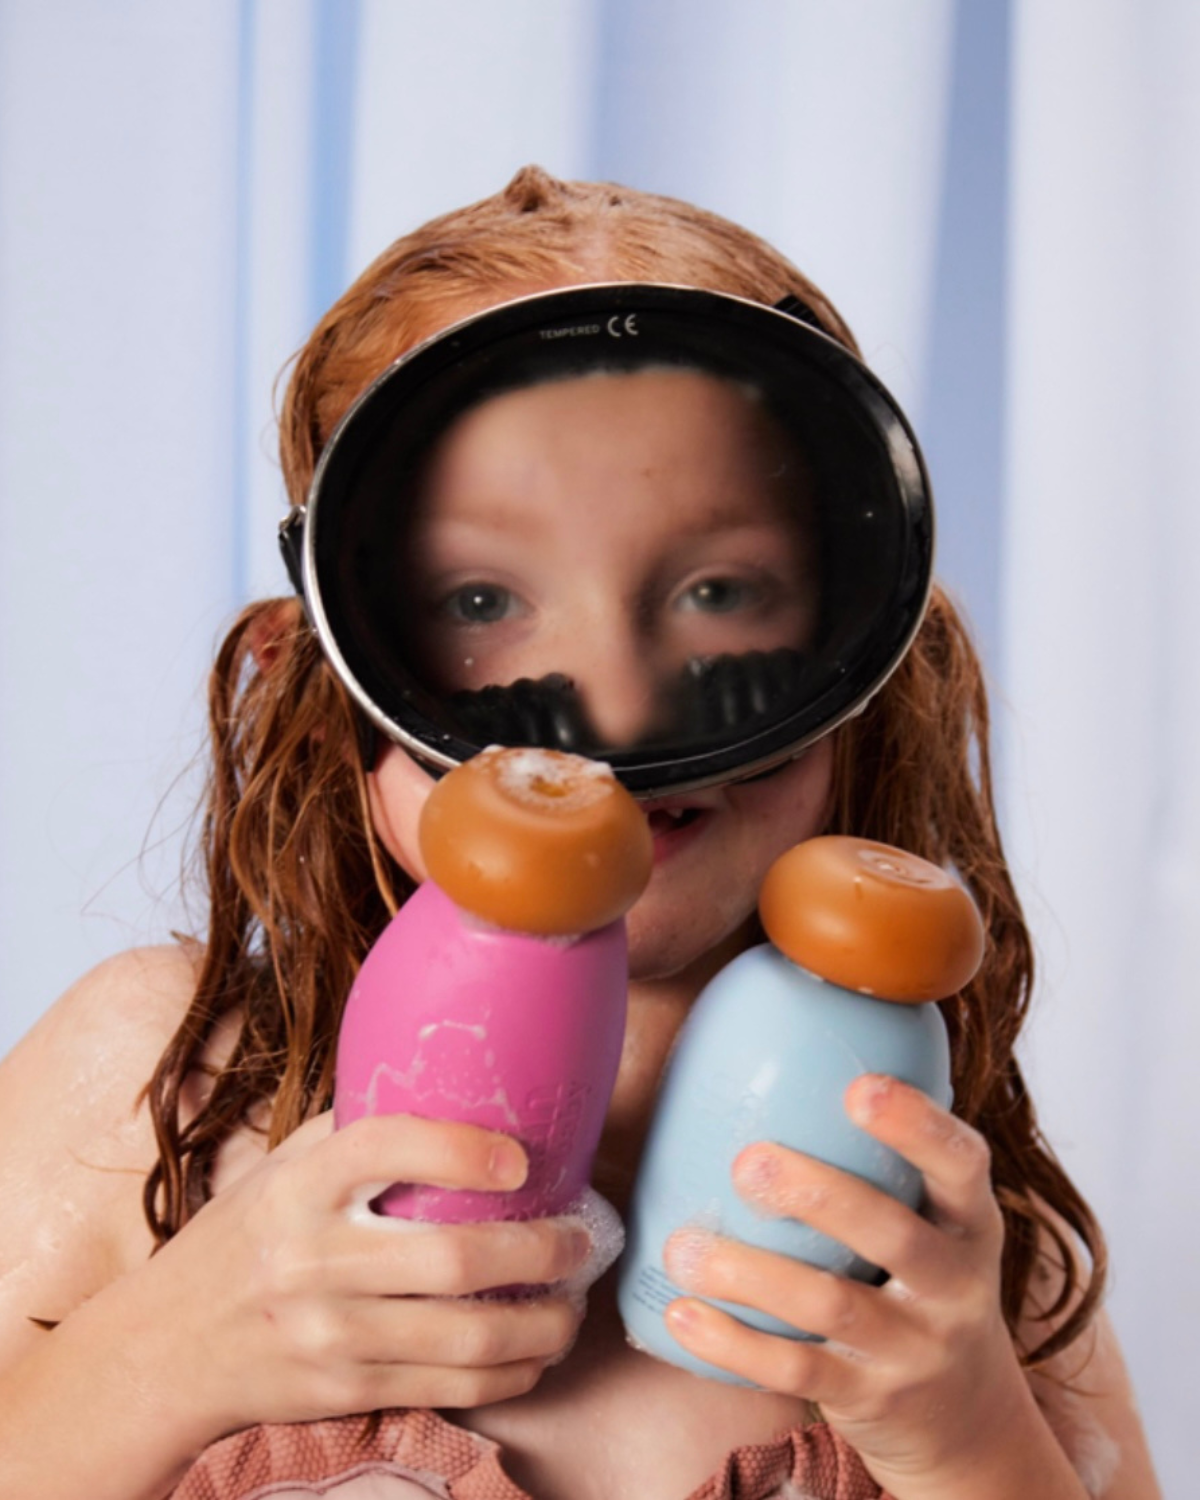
918,1375
289,1303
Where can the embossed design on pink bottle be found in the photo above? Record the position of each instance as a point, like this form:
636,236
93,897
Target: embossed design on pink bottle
455,1017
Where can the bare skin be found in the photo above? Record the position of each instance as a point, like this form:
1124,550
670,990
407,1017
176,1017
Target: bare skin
91,1170
538,537
934,1342
148,1365
273,1276
332,1315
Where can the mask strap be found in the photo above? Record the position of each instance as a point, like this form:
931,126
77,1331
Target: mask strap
291,544
795,308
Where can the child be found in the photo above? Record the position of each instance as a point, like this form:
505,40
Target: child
183,1282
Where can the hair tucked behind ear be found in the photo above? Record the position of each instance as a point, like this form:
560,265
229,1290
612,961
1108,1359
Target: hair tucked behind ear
914,770
298,890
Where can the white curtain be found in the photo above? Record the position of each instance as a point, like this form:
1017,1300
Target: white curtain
184,188
1102,618
119,279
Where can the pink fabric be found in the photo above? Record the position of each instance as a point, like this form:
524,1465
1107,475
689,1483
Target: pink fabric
411,1455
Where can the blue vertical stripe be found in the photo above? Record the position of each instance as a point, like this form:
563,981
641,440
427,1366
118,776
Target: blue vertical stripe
615,94
239,579
963,430
337,25
651,104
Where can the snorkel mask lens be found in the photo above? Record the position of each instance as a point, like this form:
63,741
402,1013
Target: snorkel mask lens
761,493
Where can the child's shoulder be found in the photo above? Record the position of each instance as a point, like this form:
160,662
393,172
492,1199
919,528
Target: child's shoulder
75,1136
94,1049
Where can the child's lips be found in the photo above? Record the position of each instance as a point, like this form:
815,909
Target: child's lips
663,821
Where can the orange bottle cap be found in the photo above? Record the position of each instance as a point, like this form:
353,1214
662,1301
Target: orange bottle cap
872,918
536,841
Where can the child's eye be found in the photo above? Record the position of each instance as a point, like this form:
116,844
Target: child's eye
480,603
718,596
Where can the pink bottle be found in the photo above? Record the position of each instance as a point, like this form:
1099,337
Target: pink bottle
497,993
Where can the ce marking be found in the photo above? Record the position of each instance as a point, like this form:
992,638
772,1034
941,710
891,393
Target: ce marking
628,324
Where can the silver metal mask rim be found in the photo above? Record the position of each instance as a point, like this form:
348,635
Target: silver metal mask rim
442,751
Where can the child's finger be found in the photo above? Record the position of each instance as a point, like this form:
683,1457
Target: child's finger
952,1157
383,1149
786,1184
796,1367
448,1331
449,1260
802,1296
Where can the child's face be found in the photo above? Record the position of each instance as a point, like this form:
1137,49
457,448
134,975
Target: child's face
613,528
709,862
609,528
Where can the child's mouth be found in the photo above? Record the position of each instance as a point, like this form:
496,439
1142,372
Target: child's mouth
673,827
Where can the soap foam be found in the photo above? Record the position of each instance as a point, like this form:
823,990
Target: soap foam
474,921
359,1210
589,1212
536,776
607,1233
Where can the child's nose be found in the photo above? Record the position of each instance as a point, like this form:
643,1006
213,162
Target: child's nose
620,685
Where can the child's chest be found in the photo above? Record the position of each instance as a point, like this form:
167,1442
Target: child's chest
610,1422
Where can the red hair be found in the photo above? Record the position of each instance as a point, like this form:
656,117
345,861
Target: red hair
298,885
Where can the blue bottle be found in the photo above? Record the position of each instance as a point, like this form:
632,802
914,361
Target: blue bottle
770,1047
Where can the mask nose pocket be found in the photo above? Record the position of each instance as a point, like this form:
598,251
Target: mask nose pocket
546,711
722,693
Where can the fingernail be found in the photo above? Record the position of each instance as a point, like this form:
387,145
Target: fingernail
683,1316
685,1254
507,1166
868,1096
756,1170
579,1248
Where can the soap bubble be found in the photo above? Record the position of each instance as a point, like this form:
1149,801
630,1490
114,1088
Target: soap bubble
607,1233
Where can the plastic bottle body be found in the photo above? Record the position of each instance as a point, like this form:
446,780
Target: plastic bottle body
451,1019
767,1054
